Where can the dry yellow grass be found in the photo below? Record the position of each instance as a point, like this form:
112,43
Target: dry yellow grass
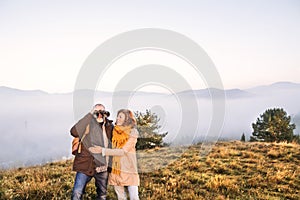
232,170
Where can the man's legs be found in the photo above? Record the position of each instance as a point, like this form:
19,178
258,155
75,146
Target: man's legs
101,184
80,183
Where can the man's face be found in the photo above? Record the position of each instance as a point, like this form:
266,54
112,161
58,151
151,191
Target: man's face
98,108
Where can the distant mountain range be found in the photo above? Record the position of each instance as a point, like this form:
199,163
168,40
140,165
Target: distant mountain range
13,91
274,88
35,124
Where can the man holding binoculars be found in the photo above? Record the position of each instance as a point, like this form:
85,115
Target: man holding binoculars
93,129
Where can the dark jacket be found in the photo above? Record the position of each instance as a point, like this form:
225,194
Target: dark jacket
85,162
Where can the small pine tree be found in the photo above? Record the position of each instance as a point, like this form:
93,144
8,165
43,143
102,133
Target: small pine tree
243,138
273,126
148,127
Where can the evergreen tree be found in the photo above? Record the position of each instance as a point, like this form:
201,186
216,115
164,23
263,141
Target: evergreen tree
243,138
148,127
273,126
296,139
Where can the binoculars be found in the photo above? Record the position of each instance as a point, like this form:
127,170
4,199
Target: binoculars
104,113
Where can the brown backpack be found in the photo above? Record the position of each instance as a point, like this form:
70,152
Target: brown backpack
76,143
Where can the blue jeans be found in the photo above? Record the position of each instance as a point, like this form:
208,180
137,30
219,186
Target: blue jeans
81,181
101,184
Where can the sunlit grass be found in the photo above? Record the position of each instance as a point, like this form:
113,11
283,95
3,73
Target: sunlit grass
232,170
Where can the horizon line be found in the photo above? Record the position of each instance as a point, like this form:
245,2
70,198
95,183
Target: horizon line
107,91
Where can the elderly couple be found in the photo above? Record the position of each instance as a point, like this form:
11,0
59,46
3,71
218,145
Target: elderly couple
106,153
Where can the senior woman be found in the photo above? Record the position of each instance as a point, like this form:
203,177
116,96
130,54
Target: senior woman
124,165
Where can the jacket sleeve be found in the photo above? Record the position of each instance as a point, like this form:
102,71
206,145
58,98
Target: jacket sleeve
109,128
79,128
130,144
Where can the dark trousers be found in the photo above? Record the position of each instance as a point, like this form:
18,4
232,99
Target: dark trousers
101,184
81,180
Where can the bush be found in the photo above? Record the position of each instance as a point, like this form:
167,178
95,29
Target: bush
148,127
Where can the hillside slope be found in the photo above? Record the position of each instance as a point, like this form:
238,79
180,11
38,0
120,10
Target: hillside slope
232,170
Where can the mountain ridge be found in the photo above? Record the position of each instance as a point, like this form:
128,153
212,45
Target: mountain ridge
206,93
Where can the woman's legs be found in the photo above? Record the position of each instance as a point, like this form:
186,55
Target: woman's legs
133,192
120,191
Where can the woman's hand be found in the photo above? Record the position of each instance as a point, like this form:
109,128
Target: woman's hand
95,149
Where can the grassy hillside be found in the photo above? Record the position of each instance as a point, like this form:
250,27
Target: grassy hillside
232,170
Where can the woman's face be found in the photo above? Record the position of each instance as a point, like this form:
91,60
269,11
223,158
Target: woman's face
120,119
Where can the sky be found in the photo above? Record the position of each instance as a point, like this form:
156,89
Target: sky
44,44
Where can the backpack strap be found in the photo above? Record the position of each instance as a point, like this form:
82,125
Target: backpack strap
87,130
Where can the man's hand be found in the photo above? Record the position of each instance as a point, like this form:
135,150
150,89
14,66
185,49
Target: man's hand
95,149
93,111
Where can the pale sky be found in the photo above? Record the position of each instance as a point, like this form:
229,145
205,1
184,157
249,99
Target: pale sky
43,44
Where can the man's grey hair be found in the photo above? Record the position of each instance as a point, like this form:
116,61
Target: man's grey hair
99,104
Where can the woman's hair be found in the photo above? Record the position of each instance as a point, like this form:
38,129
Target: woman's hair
129,117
